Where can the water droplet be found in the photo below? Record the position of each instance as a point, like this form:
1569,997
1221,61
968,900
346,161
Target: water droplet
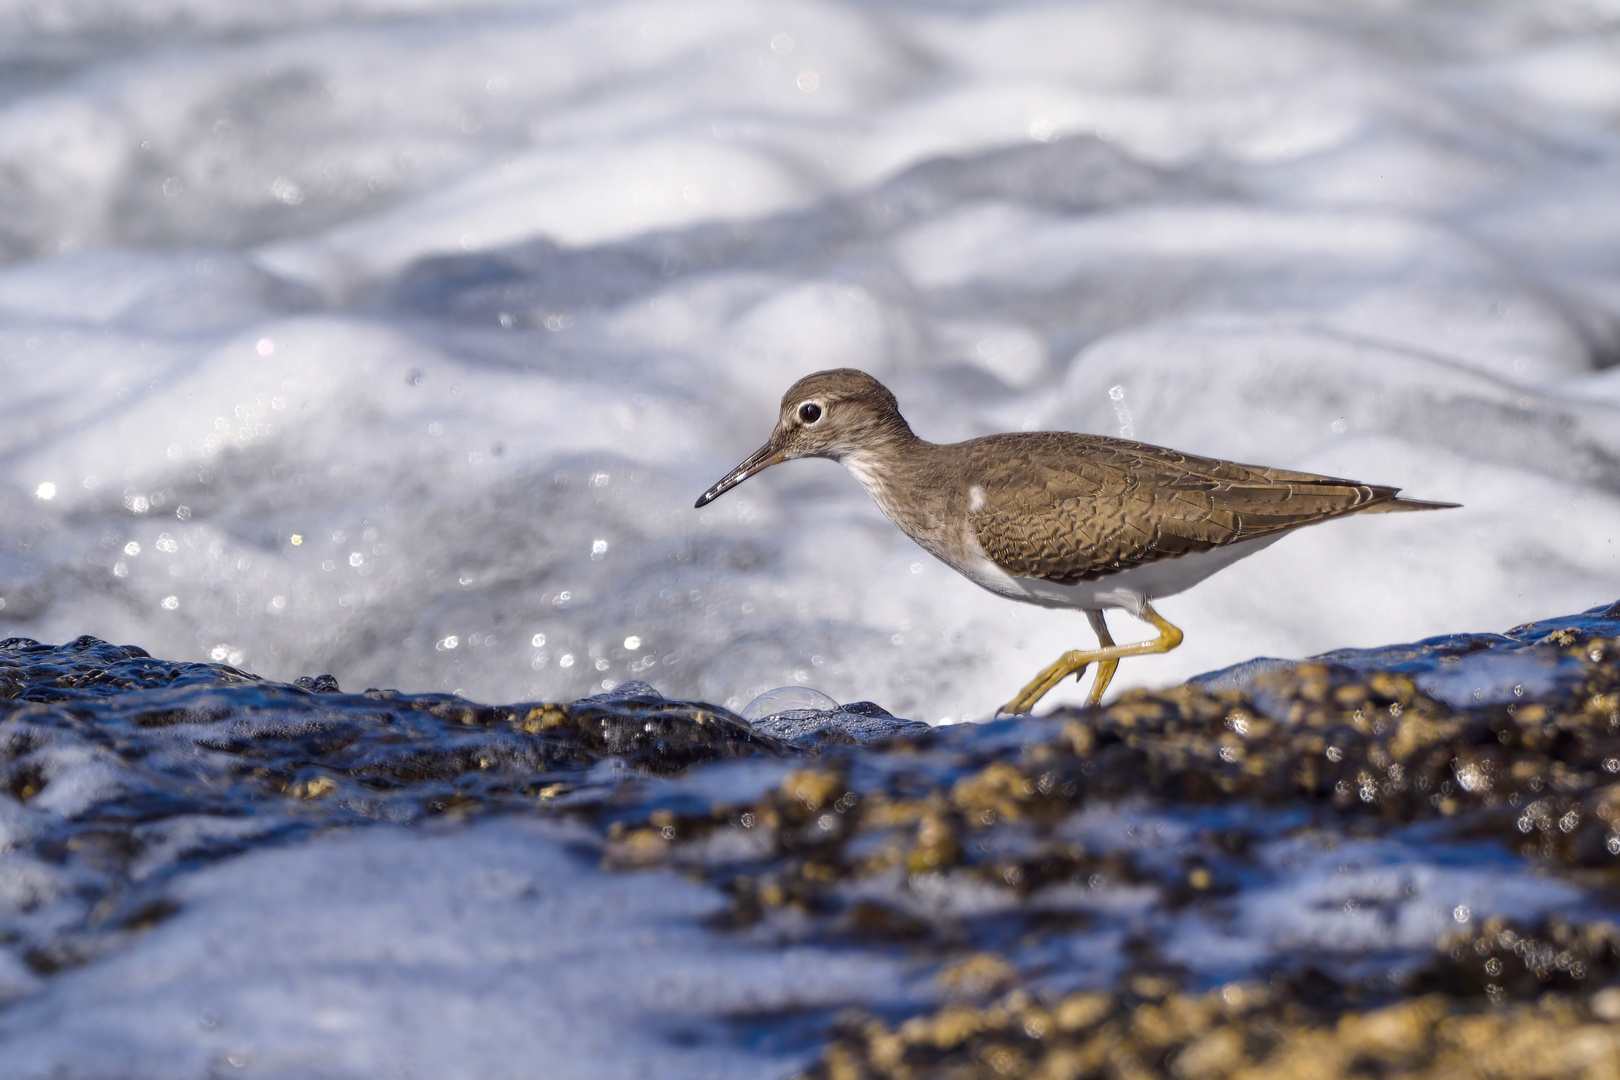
787,699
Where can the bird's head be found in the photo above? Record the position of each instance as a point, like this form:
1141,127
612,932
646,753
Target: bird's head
830,414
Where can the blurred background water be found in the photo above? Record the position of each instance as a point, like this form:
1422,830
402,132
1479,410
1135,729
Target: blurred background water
394,338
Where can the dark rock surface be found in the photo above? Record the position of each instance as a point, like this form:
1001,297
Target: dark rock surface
1374,862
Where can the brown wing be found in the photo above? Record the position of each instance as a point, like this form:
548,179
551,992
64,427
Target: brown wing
1068,507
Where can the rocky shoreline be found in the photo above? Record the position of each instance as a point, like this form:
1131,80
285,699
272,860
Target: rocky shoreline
1244,875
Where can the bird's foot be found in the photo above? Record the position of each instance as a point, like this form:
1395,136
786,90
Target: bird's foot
1107,659
1070,663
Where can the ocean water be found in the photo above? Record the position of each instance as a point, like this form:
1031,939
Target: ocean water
394,339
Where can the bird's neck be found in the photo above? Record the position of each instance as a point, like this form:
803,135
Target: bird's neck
895,463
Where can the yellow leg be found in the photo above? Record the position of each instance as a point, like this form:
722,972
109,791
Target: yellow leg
1105,668
1071,663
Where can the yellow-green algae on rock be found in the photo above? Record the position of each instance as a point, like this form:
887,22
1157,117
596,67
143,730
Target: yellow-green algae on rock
1234,1032
850,842
1060,888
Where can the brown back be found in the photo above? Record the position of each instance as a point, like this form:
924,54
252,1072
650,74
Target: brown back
1068,507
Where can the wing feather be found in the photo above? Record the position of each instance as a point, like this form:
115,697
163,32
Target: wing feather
1070,508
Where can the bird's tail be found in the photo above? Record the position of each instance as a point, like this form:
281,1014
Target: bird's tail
1398,506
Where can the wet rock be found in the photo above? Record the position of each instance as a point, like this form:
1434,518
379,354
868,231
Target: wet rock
1294,821
1237,1030
859,724
122,755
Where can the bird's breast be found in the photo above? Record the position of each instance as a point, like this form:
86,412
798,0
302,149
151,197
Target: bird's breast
920,510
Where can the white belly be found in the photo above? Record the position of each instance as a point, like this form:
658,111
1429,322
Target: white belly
1129,589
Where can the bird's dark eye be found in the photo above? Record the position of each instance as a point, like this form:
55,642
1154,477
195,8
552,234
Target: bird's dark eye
809,412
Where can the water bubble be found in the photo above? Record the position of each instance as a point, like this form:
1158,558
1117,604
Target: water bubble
538,640
170,603
286,191
782,44
787,699
808,81
566,660
132,548
631,642
46,491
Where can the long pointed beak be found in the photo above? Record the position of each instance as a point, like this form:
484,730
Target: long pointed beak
759,460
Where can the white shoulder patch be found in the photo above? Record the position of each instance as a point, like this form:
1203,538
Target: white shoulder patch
975,499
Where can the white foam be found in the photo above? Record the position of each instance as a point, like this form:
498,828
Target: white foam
489,950
475,299
1340,901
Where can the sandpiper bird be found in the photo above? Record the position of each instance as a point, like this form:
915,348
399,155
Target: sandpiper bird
1057,518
